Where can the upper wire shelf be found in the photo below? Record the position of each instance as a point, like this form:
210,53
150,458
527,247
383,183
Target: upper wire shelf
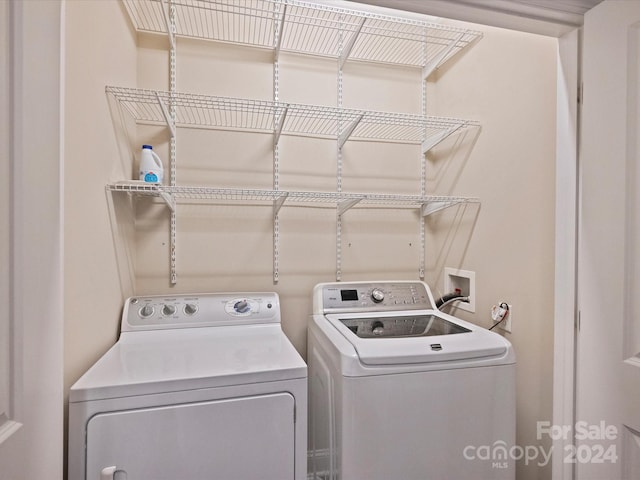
202,111
308,28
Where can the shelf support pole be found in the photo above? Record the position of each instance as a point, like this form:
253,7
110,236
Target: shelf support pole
435,139
352,41
278,123
422,263
437,60
173,218
344,136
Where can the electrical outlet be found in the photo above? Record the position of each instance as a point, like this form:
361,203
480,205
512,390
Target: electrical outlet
506,325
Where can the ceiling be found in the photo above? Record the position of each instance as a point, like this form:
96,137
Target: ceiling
545,17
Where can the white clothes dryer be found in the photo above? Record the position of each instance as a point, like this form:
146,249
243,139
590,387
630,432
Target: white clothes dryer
400,390
197,387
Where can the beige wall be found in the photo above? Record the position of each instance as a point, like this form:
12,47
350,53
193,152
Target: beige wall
98,53
507,82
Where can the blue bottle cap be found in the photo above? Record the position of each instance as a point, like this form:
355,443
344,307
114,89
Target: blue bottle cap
147,146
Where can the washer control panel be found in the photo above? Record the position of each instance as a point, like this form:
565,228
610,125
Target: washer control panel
210,309
375,296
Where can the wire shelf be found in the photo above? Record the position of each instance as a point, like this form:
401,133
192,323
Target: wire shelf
301,27
429,203
308,28
225,113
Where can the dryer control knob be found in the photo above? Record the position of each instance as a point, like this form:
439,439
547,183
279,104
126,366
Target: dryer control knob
377,295
190,308
146,311
168,310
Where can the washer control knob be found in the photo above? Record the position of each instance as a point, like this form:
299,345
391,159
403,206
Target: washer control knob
168,310
378,329
377,295
241,306
190,308
146,311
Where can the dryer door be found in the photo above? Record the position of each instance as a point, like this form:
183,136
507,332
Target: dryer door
239,438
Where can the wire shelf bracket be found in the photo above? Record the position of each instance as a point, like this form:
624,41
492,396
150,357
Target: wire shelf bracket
169,200
435,62
435,206
171,29
345,205
352,41
344,136
434,140
167,116
278,202
276,51
277,205
279,124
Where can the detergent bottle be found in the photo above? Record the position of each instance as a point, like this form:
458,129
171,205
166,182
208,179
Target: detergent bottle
151,169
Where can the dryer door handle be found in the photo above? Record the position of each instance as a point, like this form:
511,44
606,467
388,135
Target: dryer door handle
112,473
107,473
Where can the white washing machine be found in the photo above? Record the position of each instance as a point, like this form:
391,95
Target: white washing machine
197,387
400,390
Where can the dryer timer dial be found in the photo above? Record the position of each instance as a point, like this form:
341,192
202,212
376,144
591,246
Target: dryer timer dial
242,306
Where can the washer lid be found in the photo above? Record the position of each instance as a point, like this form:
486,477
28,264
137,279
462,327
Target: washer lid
416,337
160,361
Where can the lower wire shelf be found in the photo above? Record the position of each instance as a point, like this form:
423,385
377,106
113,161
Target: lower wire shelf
342,201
